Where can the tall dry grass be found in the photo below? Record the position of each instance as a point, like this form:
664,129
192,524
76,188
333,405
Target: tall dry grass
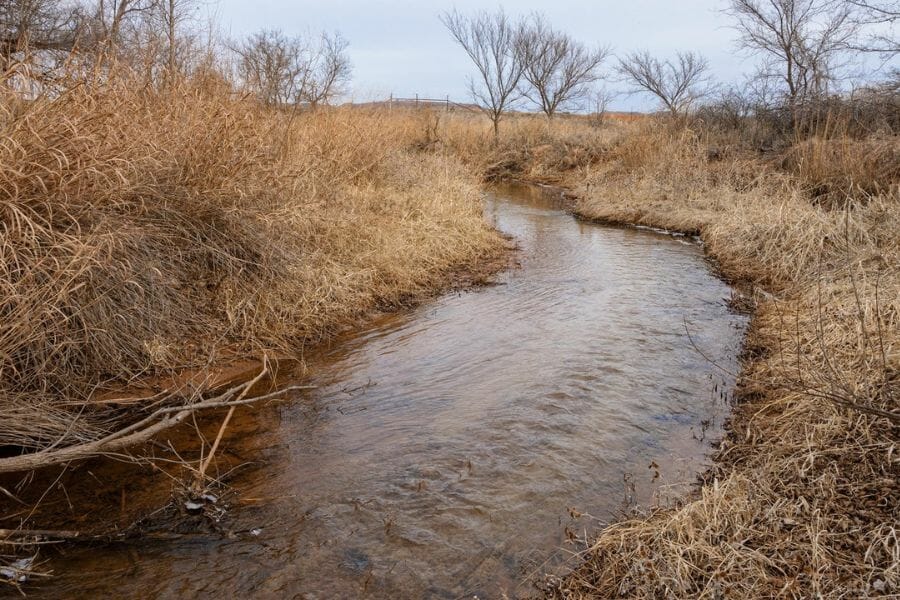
530,147
144,232
833,168
802,499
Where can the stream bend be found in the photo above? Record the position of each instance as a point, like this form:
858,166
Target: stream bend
449,449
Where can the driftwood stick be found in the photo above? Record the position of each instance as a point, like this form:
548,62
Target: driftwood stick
203,466
19,534
143,430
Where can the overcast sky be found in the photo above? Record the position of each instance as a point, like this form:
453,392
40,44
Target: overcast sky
401,47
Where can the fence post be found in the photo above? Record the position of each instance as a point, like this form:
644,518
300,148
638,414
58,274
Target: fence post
391,103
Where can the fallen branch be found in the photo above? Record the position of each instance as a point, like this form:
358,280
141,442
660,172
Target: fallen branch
38,537
139,432
18,535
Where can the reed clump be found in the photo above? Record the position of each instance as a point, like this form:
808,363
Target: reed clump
801,500
145,231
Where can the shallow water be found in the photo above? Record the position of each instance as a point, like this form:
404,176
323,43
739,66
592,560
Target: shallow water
452,450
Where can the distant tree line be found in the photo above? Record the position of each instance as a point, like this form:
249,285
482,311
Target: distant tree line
804,47
164,39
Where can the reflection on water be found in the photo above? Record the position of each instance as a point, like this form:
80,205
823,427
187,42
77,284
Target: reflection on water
444,448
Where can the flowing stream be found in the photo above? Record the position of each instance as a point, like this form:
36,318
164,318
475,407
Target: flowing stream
457,449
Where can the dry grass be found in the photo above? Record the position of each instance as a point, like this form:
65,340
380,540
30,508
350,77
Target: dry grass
802,500
144,232
529,148
838,167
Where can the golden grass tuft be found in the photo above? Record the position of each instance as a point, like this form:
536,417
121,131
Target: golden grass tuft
144,232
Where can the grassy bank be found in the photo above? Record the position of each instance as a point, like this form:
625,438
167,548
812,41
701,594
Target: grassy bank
145,232
802,498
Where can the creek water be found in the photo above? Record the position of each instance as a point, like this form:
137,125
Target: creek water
456,450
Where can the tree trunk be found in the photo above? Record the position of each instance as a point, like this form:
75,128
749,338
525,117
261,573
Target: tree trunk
171,65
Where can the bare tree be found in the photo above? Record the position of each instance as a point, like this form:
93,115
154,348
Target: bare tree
326,70
291,70
36,25
677,84
730,108
491,41
558,70
800,40
879,17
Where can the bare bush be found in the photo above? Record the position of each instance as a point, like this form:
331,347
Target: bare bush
730,110
600,99
284,70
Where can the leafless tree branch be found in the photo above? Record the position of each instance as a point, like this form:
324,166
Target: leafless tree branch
558,70
678,83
